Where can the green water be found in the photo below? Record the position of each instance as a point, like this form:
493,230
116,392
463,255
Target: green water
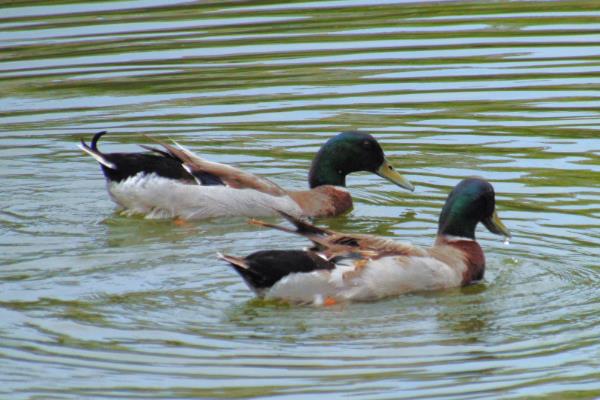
96,305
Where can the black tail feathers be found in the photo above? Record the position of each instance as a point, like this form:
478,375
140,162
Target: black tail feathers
263,269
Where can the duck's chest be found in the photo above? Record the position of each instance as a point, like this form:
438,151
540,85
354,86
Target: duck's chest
323,201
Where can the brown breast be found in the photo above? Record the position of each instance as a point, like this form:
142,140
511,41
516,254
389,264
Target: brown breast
323,201
474,259
468,251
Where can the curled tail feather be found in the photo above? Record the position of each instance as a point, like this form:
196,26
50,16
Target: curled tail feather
93,151
95,139
94,142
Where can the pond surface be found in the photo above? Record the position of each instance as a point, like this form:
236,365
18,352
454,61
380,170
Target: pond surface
98,305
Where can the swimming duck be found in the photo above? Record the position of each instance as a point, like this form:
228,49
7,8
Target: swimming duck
343,267
173,182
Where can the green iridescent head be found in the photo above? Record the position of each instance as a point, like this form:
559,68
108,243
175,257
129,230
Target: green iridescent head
350,152
471,201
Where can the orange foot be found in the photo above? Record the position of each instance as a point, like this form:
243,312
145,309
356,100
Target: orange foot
329,301
180,221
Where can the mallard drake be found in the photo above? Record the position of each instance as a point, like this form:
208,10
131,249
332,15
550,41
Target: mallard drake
174,182
344,267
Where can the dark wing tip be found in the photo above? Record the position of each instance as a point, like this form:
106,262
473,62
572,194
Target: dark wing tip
303,226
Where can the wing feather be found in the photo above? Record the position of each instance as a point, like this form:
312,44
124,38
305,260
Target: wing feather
332,244
231,176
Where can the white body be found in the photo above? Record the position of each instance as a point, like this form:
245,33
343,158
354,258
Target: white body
369,280
158,197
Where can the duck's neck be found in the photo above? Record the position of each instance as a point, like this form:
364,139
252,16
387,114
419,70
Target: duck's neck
470,253
455,221
324,172
457,225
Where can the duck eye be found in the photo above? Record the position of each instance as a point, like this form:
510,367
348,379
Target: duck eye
366,143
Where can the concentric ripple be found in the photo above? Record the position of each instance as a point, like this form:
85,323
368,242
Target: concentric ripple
97,305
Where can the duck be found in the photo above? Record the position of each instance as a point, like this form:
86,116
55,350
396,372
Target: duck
173,182
342,267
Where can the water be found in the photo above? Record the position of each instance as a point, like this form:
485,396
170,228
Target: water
96,305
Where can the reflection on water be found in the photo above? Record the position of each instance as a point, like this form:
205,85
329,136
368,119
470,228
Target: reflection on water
94,304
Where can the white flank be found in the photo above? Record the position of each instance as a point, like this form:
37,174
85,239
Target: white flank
391,276
158,197
388,276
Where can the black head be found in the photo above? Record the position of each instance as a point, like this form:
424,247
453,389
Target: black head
470,202
350,152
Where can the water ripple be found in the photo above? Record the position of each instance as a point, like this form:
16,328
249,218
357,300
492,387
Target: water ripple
98,305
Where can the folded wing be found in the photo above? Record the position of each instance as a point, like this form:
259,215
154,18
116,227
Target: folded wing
331,244
231,176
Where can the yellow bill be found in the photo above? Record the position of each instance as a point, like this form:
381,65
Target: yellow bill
387,171
495,225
